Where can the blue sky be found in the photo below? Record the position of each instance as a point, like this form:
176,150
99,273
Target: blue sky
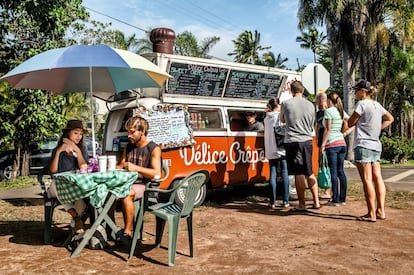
276,20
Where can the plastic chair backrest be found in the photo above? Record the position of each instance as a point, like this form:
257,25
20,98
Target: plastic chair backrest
192,185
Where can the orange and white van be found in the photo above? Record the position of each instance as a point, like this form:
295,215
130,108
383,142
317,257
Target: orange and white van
214,97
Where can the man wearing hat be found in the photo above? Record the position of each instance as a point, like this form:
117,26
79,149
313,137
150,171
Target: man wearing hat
70,154
252,123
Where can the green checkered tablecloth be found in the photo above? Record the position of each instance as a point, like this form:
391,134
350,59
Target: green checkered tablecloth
71,186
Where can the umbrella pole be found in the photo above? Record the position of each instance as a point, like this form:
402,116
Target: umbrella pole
92,116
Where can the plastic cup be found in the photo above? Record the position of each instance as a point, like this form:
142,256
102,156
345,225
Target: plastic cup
102,163
111,163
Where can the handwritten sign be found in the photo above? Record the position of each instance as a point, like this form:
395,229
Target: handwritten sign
169,129
191,79
204,80
243,84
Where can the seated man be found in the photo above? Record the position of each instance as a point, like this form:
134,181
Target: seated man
252,123
142,156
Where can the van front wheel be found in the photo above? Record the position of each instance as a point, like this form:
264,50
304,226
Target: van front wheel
180,195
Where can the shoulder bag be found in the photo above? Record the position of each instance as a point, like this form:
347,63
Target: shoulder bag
280,135
324,174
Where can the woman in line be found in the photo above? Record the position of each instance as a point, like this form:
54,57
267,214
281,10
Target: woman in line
369,118
333,143
322,103
276,155
70,154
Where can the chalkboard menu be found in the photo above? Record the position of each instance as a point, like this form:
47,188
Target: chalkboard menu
200,80
244,84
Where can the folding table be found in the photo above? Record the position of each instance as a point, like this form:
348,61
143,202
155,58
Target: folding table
72,186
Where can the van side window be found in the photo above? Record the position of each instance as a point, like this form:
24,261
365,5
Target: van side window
128,114
238,120
205,118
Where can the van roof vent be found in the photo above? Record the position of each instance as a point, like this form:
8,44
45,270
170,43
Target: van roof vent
162,40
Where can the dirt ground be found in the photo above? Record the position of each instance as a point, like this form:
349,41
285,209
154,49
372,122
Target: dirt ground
234,236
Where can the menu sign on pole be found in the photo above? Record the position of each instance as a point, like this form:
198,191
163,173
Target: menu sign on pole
192,79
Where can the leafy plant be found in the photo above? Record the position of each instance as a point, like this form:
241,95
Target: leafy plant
397,149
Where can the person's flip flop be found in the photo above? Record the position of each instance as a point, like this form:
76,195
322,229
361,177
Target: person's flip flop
364,219
294,209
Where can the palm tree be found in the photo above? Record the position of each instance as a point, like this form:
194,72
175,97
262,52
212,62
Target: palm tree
186,44
247,47
144,45
268,59
312,40
346,23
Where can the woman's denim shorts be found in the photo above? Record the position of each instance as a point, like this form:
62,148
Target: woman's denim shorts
365,155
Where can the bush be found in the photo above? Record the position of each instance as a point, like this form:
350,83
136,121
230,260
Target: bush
397,149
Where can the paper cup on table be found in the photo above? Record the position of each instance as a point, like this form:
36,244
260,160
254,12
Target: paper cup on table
111,163
102,162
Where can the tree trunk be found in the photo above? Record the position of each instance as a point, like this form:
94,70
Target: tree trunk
349,97
25,164
16,165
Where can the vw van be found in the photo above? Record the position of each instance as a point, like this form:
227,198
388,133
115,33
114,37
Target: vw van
202,111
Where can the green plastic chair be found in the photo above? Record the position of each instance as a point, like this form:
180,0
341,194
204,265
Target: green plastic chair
172,213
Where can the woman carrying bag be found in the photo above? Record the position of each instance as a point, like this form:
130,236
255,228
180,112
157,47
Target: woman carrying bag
334,146
275,154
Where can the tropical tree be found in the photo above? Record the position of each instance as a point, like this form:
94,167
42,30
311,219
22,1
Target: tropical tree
312,40
186,44
95,32
247,48
28,28
144,45
353,28
269,59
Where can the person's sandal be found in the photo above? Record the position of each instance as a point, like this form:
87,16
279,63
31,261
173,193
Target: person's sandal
79,228
121,238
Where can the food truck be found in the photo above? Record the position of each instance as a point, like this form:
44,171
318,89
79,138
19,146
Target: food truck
198,118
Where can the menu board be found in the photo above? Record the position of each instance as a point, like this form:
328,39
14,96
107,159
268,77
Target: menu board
200,80
244,84
169,129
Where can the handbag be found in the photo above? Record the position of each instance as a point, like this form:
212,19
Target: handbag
280,135
324,174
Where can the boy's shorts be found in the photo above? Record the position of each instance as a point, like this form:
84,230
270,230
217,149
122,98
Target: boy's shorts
299,158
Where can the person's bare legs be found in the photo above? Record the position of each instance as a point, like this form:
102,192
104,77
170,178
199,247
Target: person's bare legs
326,194
380,190
365,172
78,227
313,186
300,190
128,211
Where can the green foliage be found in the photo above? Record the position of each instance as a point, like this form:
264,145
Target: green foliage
29,117
186,44
247,48
20,182
312,40
32,26
397,149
